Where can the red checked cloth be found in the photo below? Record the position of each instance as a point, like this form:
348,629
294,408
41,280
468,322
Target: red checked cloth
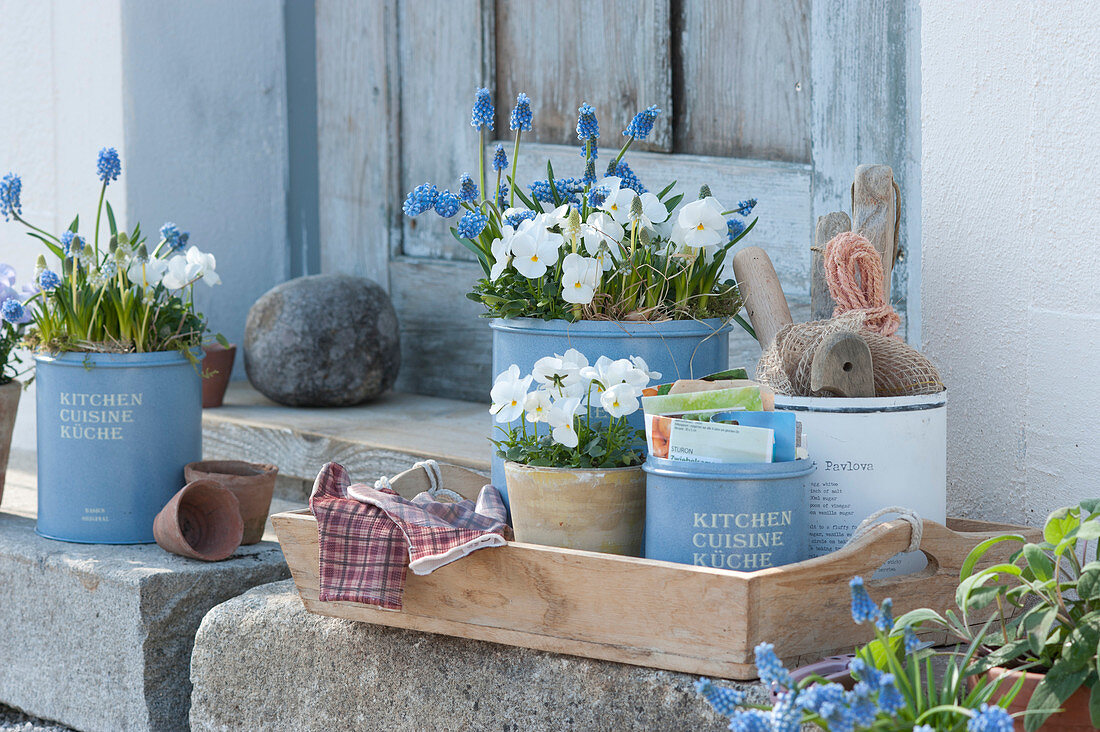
369,535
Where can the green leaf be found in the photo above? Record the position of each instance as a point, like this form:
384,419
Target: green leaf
1059,524
1037,624
980,550
75,224
1088,584
1057,686
111,219
1079,650
1089,530
1039,562
222,340
665,190
57,251
1090,505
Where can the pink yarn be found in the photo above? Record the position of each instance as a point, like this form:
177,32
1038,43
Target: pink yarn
853,269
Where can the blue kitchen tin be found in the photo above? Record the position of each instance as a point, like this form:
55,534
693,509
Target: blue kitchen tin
114,433
742,516
678,349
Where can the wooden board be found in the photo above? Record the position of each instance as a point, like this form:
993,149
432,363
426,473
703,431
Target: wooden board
695,620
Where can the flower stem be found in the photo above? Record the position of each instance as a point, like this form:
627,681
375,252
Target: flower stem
481,162
515,159
626,146
98,213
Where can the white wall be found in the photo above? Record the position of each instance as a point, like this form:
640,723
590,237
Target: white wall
1010,261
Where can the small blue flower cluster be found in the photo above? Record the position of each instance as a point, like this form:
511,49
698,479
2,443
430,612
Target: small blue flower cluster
471,224
521,114
911,640
13,311
863,607
589,171
597,196
48,280
447,204
745,207
734,227
885,619
516,217
588,128
642,124
990,719
500,158
108,166
772,672
724,699
173,237
482,115
467,189
11,185
420,199
72,243
567,189
630,180
502,197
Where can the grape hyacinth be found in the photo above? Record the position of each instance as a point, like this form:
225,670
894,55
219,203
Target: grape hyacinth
734,227
588,128
13,311
173,237
516,217
567,189
520,119
467,190
72,243
890,699
623,171
597,196
471,224
48,280
502,196
885,620
863,608
745,207
724,700
911,640
11,185
482,114
500,158
589,171
990,719
108,166
420,199
642,124
772,672
447,204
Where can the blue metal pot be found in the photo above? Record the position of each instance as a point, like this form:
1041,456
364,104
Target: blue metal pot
114,433
676,348
742,516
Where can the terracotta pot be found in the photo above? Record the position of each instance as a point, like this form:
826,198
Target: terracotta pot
594,510
251,483
9,405
1074,717
217,366
202,521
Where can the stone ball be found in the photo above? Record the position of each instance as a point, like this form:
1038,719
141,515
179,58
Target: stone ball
322,341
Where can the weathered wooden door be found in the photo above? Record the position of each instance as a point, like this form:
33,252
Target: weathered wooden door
773,99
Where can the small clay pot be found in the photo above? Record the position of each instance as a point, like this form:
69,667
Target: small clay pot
251,483
217,366
1074,716
9,405
202,521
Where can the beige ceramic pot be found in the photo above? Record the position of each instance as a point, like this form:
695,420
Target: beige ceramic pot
9,405
595,510
252,483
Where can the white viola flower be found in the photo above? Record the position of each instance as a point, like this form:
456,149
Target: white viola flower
601,234
618,205
146,273
559,217
537,406
653,211
580,276
179,273
700,224
641,365
574,358
562,421
204,265
535,250
509,395
620,400
501,250
554,373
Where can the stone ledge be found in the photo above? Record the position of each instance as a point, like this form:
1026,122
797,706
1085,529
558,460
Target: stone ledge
382,437
322,673
100,637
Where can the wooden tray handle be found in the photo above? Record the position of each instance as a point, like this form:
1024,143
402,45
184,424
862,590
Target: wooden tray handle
463,481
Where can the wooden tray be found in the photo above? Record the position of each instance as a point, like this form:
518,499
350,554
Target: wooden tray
696,620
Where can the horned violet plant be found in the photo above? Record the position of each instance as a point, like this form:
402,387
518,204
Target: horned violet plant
581,408
14,316
113,291
588,246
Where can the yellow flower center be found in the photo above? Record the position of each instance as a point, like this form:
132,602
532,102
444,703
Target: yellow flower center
699,227
577,284
534,257
514,402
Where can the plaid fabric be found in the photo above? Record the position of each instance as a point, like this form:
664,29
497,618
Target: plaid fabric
368,535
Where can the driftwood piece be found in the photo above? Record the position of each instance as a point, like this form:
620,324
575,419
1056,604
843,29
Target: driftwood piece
842,367
876,213
764,300
828,226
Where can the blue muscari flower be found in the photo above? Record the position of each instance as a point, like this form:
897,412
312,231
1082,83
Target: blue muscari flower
772,672
587,125
589,176
862,607
862,707
828,701
567,189
467,189
990,719
482,115
630,180
870,674
597,196
521,114
13,311
420,199
471,224
786,716
724,699
447,204
502,196
500,158
516,217
108,166
889,698
72,243
642,124
734,227
745,207
48,280
11,185
911,640
595,149
750,720
885,620
173,237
